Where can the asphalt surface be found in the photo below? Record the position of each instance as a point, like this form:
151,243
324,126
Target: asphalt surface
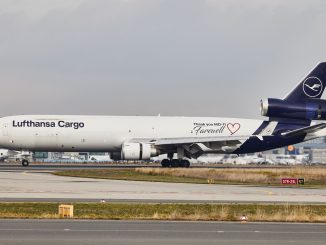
43,186
58,167
72,166
33,232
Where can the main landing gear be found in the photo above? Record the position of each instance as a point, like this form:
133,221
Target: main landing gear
25,163
175,163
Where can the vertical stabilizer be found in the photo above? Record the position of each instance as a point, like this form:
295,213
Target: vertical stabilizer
312,87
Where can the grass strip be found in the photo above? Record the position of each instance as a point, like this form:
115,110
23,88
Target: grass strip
185,212
314,176
129,174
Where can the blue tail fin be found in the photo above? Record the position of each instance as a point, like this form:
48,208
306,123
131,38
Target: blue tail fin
311,87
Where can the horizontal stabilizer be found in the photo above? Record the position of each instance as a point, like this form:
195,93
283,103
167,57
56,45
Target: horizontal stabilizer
305,130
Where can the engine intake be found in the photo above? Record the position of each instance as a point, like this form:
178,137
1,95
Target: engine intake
138,151
310,109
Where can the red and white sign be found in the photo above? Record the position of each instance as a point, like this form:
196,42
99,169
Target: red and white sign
289,181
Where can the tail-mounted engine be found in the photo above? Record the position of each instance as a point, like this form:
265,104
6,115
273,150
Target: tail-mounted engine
310,109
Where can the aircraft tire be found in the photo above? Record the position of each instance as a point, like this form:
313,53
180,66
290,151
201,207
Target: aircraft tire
174,163
186,163
25,163
165,163
181,163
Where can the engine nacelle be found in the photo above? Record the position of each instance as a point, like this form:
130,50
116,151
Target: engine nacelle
138,151
310,109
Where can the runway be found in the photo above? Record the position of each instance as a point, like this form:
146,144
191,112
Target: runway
31,232
43,186
70,166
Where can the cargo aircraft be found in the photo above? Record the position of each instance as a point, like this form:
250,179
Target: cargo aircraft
296,118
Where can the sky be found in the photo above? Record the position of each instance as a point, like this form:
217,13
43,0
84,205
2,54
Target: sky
149,57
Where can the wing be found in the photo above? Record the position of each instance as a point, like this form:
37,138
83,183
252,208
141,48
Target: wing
196,146
192,140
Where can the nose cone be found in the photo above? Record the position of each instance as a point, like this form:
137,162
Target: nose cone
4,138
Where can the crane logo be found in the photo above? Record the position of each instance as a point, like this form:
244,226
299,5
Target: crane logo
312,87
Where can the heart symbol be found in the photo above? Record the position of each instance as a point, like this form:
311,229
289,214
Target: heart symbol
233,127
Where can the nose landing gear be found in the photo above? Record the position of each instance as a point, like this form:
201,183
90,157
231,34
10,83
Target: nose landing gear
25,163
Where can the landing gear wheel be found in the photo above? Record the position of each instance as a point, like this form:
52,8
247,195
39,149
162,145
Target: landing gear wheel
185,163
181,164
165,163
25,163
175,163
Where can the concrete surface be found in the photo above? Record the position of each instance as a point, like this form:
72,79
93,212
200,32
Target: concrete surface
30,185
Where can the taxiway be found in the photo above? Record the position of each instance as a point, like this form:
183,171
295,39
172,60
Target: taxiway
39,186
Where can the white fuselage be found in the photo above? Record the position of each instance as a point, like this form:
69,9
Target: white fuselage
108,133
